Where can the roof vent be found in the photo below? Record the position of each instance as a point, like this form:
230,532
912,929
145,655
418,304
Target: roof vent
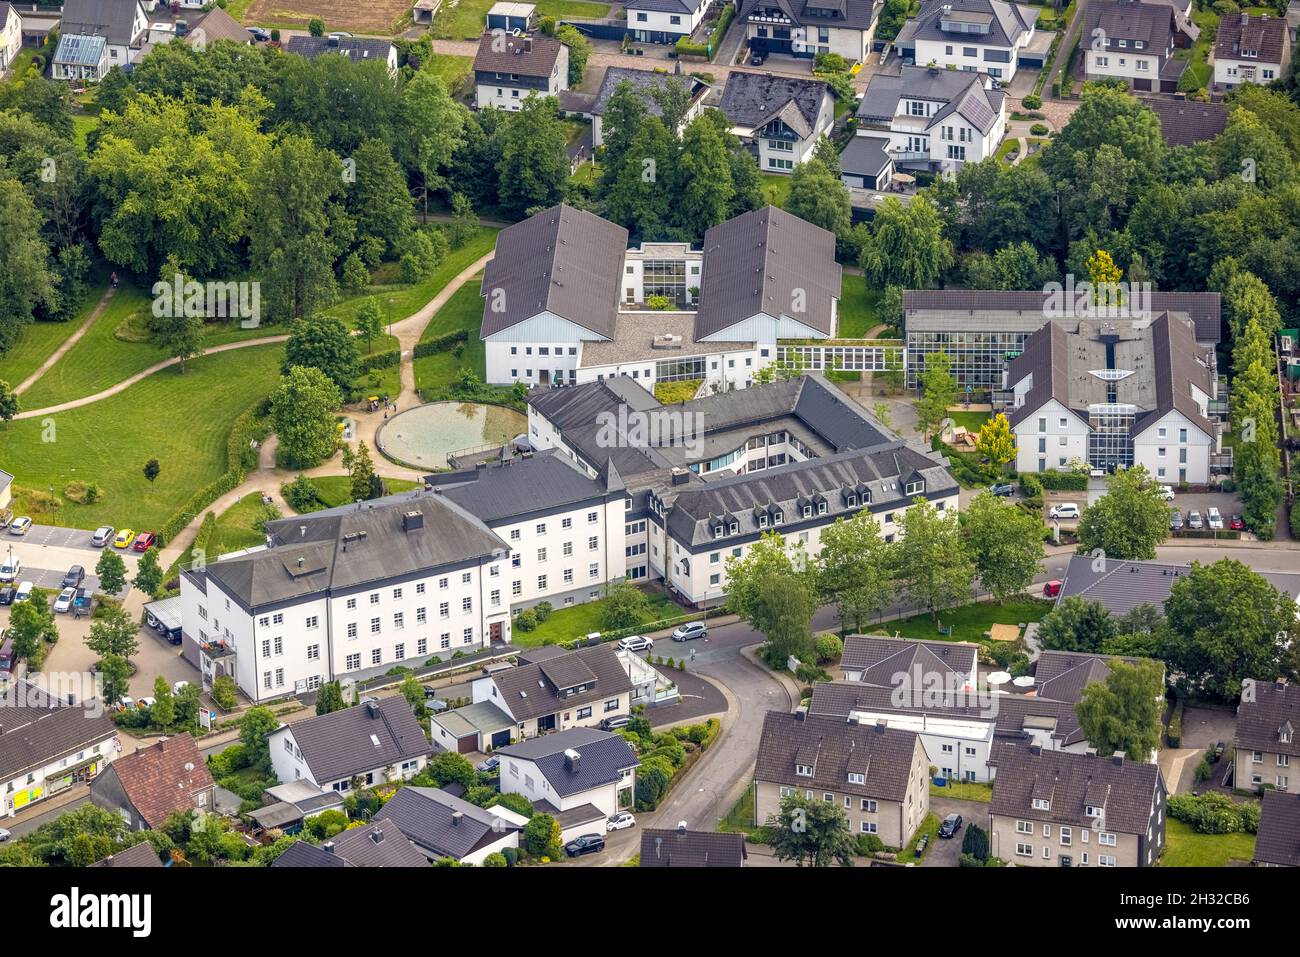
377,836
328,847
412,520
457,817
572,760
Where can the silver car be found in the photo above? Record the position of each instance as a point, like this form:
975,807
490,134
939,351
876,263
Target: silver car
1194,519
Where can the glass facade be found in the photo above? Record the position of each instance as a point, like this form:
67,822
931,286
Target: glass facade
665,277
677,370
978,358
1109,442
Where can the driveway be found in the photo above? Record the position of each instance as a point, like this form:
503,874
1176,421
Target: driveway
946,851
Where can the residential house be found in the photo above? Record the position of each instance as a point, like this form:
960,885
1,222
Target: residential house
356,49
11,38
805,28
567,302
866,163
780,117
149,785
1059,809
648,84
1277,843
377,844
508,69
1123,585
1064,675
664,21
443,826
1116,393
977,36
878,774
1136,43
1266,741
215,25
48,746
302,854
575,689
982,330
480,726
931,118
1187,122
1250,49
377,741
679,847
582,776
898,662
137,855
97,35
287,807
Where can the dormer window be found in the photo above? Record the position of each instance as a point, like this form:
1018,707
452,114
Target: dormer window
914,488
1285,734
777,518
857,778
803,770
1093,811
1042,804
853,499
821,508
762,521
717,531
807,511
733,528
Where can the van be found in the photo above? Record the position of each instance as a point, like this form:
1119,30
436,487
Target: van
24,592
10,568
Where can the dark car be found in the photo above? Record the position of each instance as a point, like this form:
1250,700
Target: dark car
616,722
585,844
7,595
950,826
259,34
1175,519
75,576
1003,490
491,766
1218,751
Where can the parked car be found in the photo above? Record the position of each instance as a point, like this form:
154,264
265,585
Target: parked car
5,835
24,592
124,538
635,643
1213,518
145,541
125,703
1064,510
75,576
950,826
1175,519
690,630
616,722
1218,750
179,686
11,568
64,602
1003,490
146,702
7,595
1052,589
757,57
1194,519
19,526
103,535
490,766
1166,493
585,844
1237,524
83,602
260,34
619,821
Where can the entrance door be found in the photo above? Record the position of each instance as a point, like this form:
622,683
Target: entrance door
494,633
544,376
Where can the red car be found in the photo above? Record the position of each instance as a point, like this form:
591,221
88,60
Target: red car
145,541
1237,525
1051,589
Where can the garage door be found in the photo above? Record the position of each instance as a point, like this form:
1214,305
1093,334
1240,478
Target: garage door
467,744
1141,84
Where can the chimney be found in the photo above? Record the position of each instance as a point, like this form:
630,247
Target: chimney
680,476
328,847
372,708
1245,19
572,760
800,713
412,520
881,726
1035,749
681,827
1117,759
1280,684
456,818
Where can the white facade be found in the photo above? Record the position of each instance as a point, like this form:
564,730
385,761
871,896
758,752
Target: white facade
1174,449
1131,65
1052,439
508,91
666,26
11,38
37,784
954,140
289,765
968,52
520,776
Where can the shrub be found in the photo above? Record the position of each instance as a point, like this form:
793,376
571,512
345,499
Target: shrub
1203,770
976,842
83,493
1063,481
302,494
1032,102
543,610
526,620
1174,733
1039,129
495,859
542,836
511,855
223,692
1213,813
828,647
869,844
1030,486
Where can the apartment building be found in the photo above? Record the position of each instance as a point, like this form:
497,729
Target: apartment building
975,36
805,28
510,68
1266,742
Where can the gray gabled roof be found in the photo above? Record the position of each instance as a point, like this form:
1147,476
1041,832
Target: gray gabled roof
302,854
137,855
533,690
1265,37
357,49
880,658
374,734
110,19
443,825
755,262
602,758
959,92
1064,675
753,99
565,261
1267,708
533,55
1153,24
1278,840
1008,22
516,486
1185,122
839,14
834,748
378,844
37,729
865,156
646,82
663,847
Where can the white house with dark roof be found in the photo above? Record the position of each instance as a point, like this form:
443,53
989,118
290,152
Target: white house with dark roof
1266,742
581,775
977,36
567,302
356,49
782,116
1136,43
97,35
647,83
378,741
933,118
664,21
1250,49
444,826
11,35
509,68
805,28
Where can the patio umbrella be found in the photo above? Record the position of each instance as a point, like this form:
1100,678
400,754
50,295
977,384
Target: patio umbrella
904,178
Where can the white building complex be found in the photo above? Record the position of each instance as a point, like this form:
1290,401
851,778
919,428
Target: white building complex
977,36
566,301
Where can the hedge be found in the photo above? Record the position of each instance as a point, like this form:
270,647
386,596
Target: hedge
1064,481
379,360
444,343
1174,733
685,47
720,28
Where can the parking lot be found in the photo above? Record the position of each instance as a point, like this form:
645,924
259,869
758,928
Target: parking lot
57,537
52,579
1228,504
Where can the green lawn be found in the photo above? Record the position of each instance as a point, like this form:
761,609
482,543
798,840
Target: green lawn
964,791
741,816
776,188
930,825
1198,57
116,347
235,528
577,621
465,20
969,622
971,421
453,69
464,310
858,306
565,9
82,124
1185,848
336,490
183,420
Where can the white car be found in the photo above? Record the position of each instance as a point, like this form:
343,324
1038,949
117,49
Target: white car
146,702
1064,510
1166,493
635,643
1213,518
10,569
176,688
125,703
24,592
1194,519
4,835
64,601
619,821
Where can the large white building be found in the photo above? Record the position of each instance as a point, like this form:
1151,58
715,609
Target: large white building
566,301
1115,393
978,36
804,28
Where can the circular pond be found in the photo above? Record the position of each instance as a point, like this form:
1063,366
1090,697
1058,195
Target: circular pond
425,435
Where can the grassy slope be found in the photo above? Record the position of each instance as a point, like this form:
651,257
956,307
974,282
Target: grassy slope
464,310
579,620
182,420
38,340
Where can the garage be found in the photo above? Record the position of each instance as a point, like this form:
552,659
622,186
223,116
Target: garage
475,727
